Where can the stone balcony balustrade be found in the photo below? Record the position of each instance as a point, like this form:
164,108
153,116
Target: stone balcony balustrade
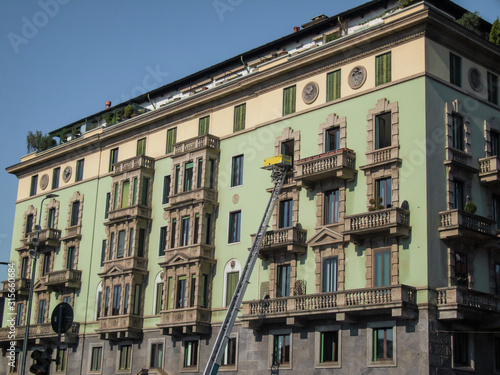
460,159
395,300
118,327
71,233
131,212
381,156
458,224
40,333
48,238
334,164
185,321
126,264
191,197
197,143
292,239
133,164
63,279
489,170
457,303
21,287
393,221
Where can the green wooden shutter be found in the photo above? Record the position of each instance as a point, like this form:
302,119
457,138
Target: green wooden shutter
239,117
383,67
171,139
333,85
203,125
289,102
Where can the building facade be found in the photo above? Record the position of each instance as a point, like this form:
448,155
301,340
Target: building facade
382,254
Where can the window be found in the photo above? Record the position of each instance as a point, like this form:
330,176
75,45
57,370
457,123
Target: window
281,349
203,302
231,282
457,132
24,267
29,224
329,347
166,189
115,197
125,357
461,270
190,353
111,246
125,193
333,85
125,304
134,193
286,213
229,354
211,173
192,294
96,359
113,158
46,264
98,302
208,229
106,207
141,245
156,360
332,139
70,260
56,173
188,176
497,278
383,69
79,170
131,242
141,146
495,143
177,178
239,117
383,136
67,299
234,227
287,148
382,344
383,193
117,291
171,139
493,88
331,214
145,188
51,219
172,233
458,195
237,171
63,353
382,267
496,210
330,275
289,100
42,304
203,125
106,302
159,298
34,185
75,213
283,281
185,231
121,244
181,292
137,299
455,70
163,241
19,313
461,355
196,229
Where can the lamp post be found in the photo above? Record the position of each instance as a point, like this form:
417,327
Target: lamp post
34,255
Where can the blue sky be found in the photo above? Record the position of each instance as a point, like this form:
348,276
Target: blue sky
60,60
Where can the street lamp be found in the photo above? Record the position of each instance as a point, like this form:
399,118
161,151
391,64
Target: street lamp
34,255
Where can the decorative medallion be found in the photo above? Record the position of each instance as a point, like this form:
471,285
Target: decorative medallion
357,77
67,173
236,198
44,181
475,79
310,92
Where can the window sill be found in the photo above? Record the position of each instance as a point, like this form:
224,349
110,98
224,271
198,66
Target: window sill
328,365
381,363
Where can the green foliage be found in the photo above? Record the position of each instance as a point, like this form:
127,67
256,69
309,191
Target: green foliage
405,3
375,204
109,118
470,21
330,37
470,208
37,142
495,32
127,112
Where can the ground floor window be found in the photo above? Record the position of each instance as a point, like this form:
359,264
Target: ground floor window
156,355
281,350
125,357
191,354
229,355
383,344
461,350
96,359
329,348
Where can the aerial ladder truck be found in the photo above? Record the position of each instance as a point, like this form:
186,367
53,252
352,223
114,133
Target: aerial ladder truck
280,166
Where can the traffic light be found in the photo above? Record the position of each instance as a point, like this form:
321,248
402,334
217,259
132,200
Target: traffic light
41,362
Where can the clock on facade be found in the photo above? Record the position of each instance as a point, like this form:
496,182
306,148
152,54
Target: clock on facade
67,174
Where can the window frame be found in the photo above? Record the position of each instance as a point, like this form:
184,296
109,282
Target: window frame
34,185
335,279
141,147
493,88
237,165
283,289
167,180
383,132
383,189
333,85
385,272
371,328
194,357
287,353
203,125
98,362
289,100
113,158
383,68
156,354
234,236
56,176
80,164
331,207
171,140
285,217
125,363
239,117
460,338
455,70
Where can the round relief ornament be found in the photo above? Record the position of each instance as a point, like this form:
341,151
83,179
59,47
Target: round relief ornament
475,79
67,174
44,181
310,92
357,77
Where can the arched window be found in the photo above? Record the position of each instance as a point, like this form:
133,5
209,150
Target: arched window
98,301
157,303
231,276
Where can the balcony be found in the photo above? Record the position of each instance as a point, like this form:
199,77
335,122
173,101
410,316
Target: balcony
197,143
489,170
291,239
394,222
132,164
397,301
187,321
334,164
456,303
125,264
131,212
72,233
48,238
458,224
460,159
40,333
120,327
186,254
382,156
201,195
20,285
63,279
